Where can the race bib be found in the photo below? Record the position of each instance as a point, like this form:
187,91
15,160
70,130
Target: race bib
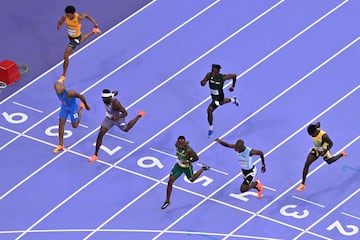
71,32
214,91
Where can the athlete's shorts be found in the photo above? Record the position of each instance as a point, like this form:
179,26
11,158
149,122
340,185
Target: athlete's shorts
316,154
74,41
176,171
108,123
249,175
72,110
217,100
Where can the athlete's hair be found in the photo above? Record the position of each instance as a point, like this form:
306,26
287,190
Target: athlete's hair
239,143
181,138
311,129
106,91
216,66
70,9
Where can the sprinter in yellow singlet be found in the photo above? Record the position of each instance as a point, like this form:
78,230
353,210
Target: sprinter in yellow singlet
322,146
73,20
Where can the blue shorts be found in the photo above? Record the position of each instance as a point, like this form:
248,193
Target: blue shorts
72,110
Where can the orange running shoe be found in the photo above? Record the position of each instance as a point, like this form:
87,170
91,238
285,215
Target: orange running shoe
301,187
343,153
93,158
58,148
96,30
141,113
260,188
62,79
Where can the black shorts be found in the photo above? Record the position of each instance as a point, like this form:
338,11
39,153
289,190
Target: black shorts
217,100
316,154
74,41
248,175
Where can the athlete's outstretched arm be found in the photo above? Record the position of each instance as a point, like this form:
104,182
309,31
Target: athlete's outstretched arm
225,144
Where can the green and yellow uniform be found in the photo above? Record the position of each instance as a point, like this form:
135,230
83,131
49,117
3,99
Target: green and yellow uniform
182,164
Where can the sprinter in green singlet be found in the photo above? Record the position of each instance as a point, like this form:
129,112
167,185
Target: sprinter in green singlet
185,157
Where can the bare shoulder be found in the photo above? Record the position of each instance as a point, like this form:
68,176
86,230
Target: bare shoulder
256,152
117,102
71,93
228,76
190,152
326,137
117,105
82,15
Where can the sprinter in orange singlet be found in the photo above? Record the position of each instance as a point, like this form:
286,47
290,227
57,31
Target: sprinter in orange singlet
73,20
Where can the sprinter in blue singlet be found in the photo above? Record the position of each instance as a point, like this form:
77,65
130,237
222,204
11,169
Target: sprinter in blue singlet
69,106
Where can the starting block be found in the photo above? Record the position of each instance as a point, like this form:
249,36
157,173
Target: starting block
9,72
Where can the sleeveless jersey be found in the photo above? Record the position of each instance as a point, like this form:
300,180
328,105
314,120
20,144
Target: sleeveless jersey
216,84
109,110
245,159
73,26
181,155
318,142
65,101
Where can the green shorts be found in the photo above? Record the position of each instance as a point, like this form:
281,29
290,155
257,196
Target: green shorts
176,171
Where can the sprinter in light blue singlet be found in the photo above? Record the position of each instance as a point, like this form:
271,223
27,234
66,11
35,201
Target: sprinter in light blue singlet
244,156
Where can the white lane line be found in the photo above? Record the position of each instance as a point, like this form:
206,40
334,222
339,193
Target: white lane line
28,107
50,114
290,188
328,213
80,50
308,201
268,153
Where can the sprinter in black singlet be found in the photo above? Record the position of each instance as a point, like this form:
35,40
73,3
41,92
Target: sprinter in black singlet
216,84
